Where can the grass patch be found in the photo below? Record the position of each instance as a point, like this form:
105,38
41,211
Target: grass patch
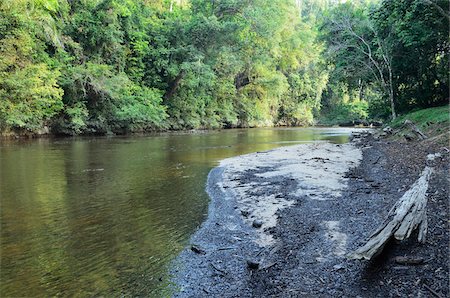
424,118
433,122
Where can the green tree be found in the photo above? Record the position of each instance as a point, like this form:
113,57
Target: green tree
29,93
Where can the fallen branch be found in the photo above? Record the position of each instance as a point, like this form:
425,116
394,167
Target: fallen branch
407,214
436,294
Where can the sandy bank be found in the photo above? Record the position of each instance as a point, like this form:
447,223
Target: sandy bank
316,169
256,187
316,202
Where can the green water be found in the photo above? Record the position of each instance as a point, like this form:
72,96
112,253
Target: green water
105,216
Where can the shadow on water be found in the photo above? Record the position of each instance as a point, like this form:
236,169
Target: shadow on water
97,216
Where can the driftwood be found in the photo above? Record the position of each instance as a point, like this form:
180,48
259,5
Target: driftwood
407,214
414,129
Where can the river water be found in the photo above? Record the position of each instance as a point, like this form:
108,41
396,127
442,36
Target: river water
105,216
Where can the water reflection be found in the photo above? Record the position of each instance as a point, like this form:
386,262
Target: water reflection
103,216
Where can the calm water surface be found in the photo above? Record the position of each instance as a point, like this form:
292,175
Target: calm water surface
105,216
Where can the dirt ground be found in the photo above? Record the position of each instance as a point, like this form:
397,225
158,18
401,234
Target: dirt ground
312,237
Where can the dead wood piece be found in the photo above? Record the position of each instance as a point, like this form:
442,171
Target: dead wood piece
198,250
409,260
408,137
267,266
436,294
415,129
218,269
320,159
405,216
226,248
377,160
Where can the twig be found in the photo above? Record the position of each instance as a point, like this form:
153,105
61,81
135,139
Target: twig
220,270
269,265
376,161
226,248
432,291
263,249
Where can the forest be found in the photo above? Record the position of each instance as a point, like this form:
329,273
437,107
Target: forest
72,67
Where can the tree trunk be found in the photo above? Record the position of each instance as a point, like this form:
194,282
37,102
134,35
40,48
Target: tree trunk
361,89
174,86
391,95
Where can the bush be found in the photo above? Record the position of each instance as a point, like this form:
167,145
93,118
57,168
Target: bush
29,97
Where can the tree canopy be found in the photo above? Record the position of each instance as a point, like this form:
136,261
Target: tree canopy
102,66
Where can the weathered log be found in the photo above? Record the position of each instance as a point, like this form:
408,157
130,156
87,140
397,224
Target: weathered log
415,129
405,216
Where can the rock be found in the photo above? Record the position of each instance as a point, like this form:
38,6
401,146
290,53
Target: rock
338,267
245,213
257,223
408,137
375,185
198,250
376,123
252,264
388,130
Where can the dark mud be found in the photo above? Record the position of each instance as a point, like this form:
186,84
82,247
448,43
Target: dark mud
312,237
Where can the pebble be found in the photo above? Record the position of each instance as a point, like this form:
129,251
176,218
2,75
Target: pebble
245,213
257,223
252,264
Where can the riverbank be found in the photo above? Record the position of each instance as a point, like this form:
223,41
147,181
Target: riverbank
316,203
7,136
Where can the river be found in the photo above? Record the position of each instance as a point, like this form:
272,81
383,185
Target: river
106,216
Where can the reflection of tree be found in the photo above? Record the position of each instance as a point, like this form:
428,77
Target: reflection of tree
32,192
123,216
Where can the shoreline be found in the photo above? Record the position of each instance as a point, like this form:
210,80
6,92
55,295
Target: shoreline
303,253
11,136
210,239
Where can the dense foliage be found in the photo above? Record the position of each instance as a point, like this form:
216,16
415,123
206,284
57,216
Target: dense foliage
394,55
102,66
